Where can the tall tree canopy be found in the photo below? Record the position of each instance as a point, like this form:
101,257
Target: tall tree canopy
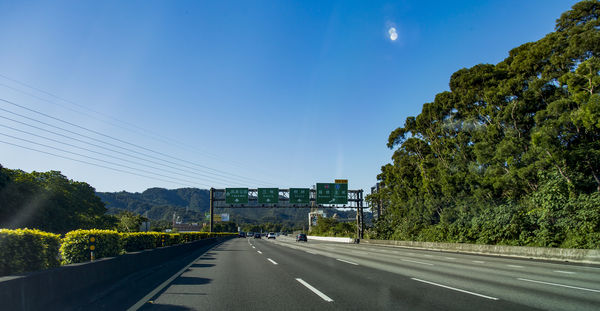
49,201
511,154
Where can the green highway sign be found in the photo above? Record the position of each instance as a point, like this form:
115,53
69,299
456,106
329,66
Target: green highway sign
236,195
268,195
331,193
299,195
340,193
325,193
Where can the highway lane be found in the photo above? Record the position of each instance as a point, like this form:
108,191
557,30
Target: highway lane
233,276
251,274
535,284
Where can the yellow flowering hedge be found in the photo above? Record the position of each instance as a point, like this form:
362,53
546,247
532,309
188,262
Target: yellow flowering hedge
76,245
24,250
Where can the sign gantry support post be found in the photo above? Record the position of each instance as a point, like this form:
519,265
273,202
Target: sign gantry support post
212,207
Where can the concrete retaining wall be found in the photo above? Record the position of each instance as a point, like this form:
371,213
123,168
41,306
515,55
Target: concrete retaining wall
54,289
546,253
330,239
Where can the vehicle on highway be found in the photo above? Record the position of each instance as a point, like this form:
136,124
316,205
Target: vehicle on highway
301,237
250,234
271,235
242,235
257,235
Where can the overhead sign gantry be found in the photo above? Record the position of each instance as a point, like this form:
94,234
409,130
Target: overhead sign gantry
326,195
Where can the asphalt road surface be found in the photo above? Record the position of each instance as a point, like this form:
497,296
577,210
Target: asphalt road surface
281,274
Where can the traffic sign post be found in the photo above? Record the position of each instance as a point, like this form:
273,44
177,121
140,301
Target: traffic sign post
299,195
268,195
236,195
92,245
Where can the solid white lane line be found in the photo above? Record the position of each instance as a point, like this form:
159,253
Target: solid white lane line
272,261
565,272
259,252
311,252
456,289
514,266
561,285
419,262
314,290
450,258
346,261
477,261
427,255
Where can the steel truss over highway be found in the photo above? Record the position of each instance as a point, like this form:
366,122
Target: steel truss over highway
355,201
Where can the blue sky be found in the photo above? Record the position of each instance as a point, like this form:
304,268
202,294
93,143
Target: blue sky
234,93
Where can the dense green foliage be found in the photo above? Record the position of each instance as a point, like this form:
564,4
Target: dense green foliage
129,222
511,154
109,243
137,241
49,201
332,227
75,245
24,250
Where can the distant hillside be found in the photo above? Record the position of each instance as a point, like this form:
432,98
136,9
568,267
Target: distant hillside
191,204
193,199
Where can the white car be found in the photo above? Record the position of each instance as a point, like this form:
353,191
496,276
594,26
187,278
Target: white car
271,235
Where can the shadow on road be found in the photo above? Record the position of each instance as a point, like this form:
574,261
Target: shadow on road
202,265
190,280
158,306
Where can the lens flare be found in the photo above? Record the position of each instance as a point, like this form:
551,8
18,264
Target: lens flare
393,34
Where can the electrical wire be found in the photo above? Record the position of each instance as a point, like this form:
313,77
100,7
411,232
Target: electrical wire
96,159
94,164
99,152
123,148
169,141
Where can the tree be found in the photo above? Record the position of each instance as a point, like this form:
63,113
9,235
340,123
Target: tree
480,163
129,222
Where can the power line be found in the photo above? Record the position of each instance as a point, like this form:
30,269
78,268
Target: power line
108,136
111,144
104,148
94,164
98,152
138,128
99,160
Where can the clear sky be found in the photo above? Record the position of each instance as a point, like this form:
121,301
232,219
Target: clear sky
234,93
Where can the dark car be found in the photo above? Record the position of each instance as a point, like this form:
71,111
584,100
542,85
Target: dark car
301,237
242,235
257,235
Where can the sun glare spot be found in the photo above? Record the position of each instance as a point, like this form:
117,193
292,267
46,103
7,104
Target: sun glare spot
393,34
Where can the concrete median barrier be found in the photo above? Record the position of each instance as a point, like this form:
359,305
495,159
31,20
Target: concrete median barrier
330,239
57,288
545,253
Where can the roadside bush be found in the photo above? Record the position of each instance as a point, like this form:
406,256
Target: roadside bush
24,250
137,241
75,245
